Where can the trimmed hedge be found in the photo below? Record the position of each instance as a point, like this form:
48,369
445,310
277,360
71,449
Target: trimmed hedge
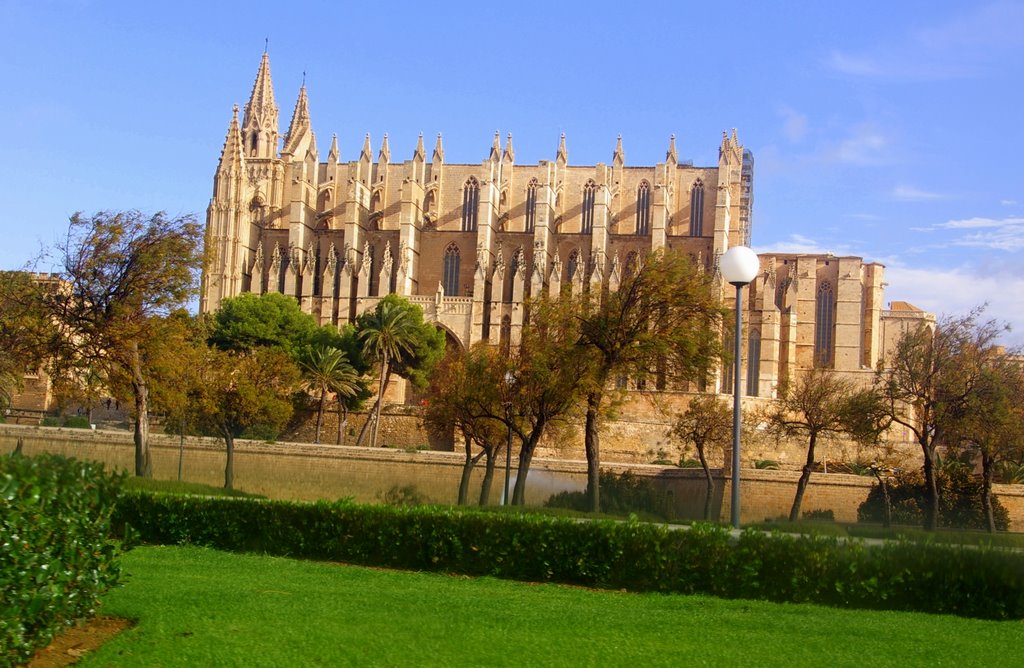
56,552
983,583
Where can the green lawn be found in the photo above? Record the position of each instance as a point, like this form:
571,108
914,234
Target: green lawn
199,607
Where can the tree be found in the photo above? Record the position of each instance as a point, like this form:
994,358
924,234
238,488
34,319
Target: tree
326,370
272,320
706,423
121,271
548,377
664,316
465,394
990,422
817,404
928,382
26,331
235,393
395,336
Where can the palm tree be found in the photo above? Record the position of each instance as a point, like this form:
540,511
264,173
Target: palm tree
326,369
386,334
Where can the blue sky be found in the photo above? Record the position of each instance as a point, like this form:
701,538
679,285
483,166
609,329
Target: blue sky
888,130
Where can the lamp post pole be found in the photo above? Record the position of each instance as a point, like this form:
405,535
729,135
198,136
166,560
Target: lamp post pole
736,408
739,265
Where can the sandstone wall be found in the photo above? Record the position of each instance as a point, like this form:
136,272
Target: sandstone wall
301,471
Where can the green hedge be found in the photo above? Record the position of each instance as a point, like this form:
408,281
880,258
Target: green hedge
56,551
616,555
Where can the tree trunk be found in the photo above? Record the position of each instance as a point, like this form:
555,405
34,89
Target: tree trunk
931,511
229,466
805,476
320,415
987,466
709,489
485,485
143,459
365,429
380,399
525,457
592,446
887,511
467,472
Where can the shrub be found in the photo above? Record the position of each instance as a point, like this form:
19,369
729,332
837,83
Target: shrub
56,555
960,503
404,495
77,422
621,494
820,515
629,555
766,464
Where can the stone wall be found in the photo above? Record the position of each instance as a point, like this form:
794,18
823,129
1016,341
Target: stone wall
301,471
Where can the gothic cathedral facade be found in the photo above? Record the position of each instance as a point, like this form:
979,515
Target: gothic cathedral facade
470,243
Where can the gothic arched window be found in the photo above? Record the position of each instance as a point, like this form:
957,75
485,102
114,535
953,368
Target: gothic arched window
470,202
531,205
450,275
697,209
643,209
824,324
587,224
573,265
753,363
780,293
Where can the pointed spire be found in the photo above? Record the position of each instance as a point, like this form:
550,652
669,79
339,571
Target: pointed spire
261,105
671,155
438,156
385,150
233,154
562,156
367,153
334,155
619,156
495,154
510,154
420,153
300,121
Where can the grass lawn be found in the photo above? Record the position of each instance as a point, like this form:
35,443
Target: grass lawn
199,607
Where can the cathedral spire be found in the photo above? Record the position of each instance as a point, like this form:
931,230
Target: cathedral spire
300,122
438,156
495,154
510,154
334,155
671,155
420,153
385,151
618,157
260,123
233,154
367,153
562,157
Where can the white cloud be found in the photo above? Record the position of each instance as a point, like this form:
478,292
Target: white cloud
963,46
973,223
865,146
911,194
797,243
1008,202
957,290
863,216
794,125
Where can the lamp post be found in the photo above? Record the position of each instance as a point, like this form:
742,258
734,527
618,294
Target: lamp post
739,265
509,380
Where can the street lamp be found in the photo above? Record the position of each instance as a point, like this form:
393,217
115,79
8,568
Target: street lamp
510,378
739,265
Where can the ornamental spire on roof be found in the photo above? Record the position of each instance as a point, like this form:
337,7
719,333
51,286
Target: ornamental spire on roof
300,121
562,156
619,156
232,155
438,156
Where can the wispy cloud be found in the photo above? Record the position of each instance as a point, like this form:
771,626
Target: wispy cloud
997,234
1008,202
957,290
865,145
907,193
797,243
794,124
973,223
963,46
863,216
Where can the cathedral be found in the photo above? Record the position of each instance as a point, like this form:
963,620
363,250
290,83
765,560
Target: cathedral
470,243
